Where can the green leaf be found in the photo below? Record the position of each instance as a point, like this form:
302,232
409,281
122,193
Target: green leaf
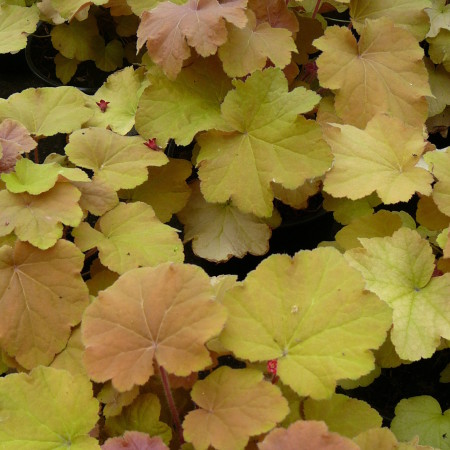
247,395
48,409
179,109
422,416
47,111
16,22
38,178
399,270
439,14
439,163
277,313
344,415
130,236
121,161
142,415
270,144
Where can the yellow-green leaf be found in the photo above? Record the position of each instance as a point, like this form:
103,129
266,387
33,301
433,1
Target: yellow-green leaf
47,111
398,269
166,190
247,395
277,313
372,160
141,415
121,161
408,14
48,409
122,90
130,236
38,219
270,143
16,22
344,415
179,109
439,163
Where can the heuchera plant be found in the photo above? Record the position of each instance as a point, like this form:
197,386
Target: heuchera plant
110,339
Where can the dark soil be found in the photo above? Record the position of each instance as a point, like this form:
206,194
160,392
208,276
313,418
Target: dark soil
419,378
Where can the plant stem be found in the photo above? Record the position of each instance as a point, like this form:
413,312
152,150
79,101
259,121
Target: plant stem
316,9
171,403
36,155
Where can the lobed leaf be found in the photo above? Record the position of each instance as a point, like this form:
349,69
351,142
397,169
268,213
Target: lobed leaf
344,415
39,219
47,111
247,395
220,231
407,14
14,140
422,416
121,161
181,108
122,90
385,68
169,30
47,409
277,313
166,189
399,270
248,49
42,295
307,435
269,144
439,163
141,415
372,160
134,440
130,236
163,313
16,22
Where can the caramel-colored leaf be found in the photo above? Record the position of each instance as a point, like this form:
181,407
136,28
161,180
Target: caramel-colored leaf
169,30
307,435
42,295
163,313
384,68
233,405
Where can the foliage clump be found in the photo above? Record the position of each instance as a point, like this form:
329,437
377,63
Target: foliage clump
227,115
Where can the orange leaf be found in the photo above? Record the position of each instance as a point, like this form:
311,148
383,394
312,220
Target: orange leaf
164,312
42,296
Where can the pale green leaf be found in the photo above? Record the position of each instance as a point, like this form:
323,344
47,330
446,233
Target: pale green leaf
398,269
422,416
